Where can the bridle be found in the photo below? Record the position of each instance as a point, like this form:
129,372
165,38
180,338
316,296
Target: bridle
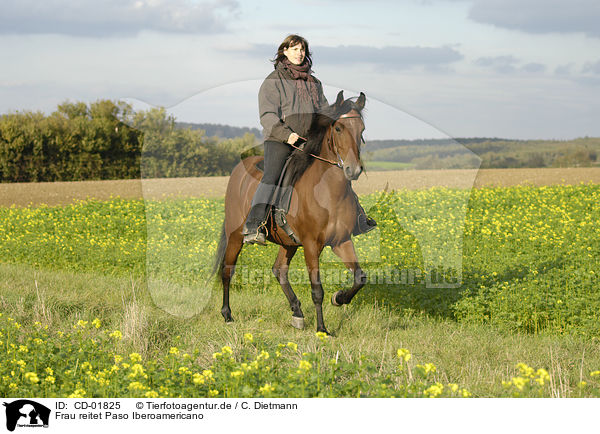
331,141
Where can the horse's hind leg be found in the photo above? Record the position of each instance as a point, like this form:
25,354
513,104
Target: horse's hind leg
280,270
234,246
347,254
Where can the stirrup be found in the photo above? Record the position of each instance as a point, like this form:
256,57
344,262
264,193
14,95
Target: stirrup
258,237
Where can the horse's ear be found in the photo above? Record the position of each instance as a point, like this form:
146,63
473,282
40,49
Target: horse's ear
340,99
360,102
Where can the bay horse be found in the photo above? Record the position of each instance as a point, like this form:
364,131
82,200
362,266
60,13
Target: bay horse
322,212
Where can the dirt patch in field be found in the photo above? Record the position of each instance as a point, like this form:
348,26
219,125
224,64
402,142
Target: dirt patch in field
58,193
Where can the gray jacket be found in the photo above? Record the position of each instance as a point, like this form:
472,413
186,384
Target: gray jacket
281,110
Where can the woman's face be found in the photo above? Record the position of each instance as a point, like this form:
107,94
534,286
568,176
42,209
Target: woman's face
295,54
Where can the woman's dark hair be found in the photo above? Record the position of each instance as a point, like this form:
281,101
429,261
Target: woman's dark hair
288,42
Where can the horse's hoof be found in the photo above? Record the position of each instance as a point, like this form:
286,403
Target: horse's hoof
334,299
298,322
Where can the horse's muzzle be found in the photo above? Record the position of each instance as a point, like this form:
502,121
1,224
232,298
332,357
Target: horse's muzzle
352,172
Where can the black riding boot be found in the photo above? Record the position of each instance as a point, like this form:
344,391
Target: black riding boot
254,230
364,223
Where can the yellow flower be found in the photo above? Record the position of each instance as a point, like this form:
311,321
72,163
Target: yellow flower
262,356
434,390
236,374
32,377
117,335
594,373
174,350
465,393
79,393
427,368
304,365
50,379
208,374
49,371
135,357
453,387
96,323
543,376
81,323
23,349
136,385
293,346
198,378
526,371
404,354
213,393
267,388
151,394
137,370
519,382
118,359
227,350
248,337
322,336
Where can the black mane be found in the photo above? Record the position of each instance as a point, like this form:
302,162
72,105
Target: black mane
300,160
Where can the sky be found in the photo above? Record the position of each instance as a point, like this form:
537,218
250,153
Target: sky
519,69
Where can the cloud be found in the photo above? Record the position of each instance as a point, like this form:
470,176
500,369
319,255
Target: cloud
113,17
533,67
391,57
566,69
593,68
509,65
501,64
540,16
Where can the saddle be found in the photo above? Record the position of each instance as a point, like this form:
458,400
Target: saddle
280,204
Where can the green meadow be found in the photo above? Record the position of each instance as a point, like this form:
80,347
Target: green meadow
111,298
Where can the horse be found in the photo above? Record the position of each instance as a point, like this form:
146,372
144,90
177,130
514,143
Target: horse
322,210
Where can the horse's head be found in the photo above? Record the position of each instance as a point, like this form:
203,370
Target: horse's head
345,134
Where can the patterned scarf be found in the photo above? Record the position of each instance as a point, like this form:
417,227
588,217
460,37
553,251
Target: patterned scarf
301,73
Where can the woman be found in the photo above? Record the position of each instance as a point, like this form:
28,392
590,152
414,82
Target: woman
287,100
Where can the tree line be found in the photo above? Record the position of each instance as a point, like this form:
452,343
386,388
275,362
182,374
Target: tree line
485,153
109,140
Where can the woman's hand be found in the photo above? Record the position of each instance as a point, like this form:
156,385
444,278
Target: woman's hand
293,138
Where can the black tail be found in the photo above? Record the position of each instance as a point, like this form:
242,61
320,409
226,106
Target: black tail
220,254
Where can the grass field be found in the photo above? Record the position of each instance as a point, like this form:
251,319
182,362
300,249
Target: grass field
387,165
528,297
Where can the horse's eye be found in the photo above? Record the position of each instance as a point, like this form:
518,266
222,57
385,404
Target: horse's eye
338,129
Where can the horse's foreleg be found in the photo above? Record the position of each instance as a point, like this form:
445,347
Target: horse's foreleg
280,270
312,252
347,254
234,246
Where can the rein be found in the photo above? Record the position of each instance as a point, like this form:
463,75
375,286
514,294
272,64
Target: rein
340,162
